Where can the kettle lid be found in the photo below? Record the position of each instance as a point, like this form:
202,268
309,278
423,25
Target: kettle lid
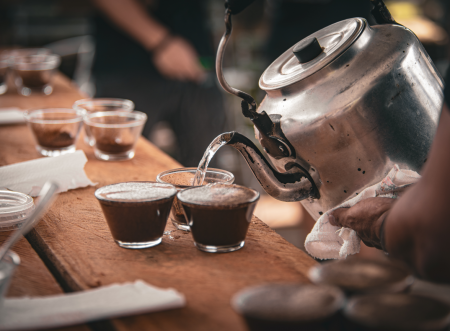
307,56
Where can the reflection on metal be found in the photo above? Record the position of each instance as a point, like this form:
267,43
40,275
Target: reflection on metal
337,124
293,185
374,105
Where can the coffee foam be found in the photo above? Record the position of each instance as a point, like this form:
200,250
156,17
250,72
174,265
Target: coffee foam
218,194
180,178
187,179
142,191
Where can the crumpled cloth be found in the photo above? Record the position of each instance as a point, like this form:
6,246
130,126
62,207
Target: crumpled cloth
327,241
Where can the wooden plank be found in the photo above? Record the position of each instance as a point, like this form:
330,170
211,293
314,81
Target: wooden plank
32,278
75,240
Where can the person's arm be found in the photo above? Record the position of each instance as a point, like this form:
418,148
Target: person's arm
416,227
173,56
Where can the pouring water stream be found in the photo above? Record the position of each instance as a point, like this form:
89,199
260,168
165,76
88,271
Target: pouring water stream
212,149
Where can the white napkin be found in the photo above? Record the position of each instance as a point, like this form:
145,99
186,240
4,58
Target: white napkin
81,307
29,177
11,115
331,242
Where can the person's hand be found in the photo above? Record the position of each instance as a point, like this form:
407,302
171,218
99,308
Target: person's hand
178,60
366,218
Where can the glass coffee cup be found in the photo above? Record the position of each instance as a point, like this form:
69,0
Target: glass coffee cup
115,133
182,178
218,215
136,212
56,130
101,104
34,73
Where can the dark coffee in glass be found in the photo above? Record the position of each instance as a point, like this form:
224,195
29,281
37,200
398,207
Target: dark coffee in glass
136,212
182,178
218,215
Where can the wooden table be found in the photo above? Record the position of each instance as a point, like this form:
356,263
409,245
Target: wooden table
75,244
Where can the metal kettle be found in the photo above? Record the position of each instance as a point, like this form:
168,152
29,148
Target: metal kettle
342,106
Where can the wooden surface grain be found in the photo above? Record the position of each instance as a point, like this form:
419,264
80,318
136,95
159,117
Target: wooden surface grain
75,242
32,278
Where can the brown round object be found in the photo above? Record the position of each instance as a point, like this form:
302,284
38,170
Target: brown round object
301,303
361,275
398,311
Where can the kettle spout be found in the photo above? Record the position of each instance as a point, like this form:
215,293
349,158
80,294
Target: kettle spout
293,185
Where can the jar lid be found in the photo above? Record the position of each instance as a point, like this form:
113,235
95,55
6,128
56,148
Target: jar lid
398,311
15,208
289,302
357,275
334,40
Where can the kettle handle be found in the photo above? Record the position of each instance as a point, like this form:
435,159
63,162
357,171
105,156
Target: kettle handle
236,6
381,13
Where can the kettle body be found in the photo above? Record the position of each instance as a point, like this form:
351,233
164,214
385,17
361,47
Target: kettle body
371,99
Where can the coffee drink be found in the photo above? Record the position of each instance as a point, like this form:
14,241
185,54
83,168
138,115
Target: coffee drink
183,178
136,212
34,79
111,147
218,215
53,138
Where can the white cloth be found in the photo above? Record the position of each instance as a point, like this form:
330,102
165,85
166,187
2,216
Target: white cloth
331,242
11,116
86,306
29,177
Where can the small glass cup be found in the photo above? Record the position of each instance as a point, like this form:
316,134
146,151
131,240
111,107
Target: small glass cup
26,52
101,104
56,129
136,212
182,178
7,267
115,133
34,73
6,59
218,215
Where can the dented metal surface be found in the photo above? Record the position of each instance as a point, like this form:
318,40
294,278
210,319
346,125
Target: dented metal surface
375,105
294,184
337,124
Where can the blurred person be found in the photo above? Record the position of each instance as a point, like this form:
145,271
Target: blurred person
414,228
152,53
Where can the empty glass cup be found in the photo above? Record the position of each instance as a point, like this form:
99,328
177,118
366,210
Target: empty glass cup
183,178
34,73
101,104
115,133
56,130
